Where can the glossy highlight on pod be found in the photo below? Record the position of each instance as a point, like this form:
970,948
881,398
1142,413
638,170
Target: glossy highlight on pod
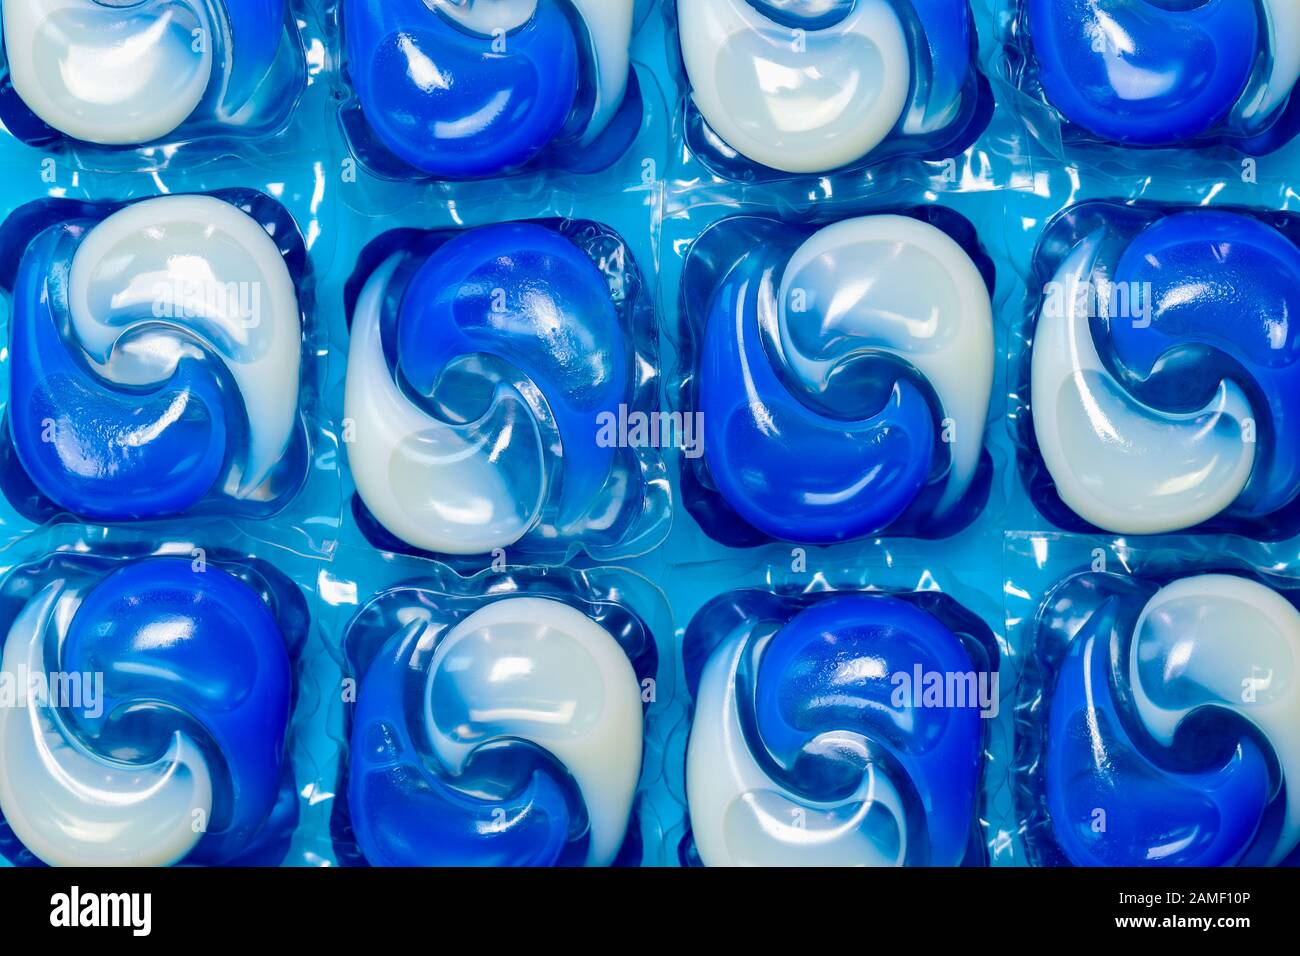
1163,386
494,732
816,740
865,346
155,356
484,367
811,86
1170,734
151,712
130,74
1160,73
461,89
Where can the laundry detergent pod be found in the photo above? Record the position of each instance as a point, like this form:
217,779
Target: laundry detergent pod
812,86
155,358
1148,73
1162,385
822,734
465,89
127,74
488,375
494,731
843,377
152,723
1167,731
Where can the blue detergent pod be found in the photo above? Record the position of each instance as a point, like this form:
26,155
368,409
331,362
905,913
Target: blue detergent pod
461,89
1172,716
1163,385
865,348
1156,73
822,735
174,748
501,732
129,74
485,370
155,358
810,86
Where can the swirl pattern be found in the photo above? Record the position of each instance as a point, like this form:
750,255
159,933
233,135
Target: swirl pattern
1171,735
180,757
804,752
469,88
1185,407
512,738
476,380
829,94
1154,73
155,360
130,73
867,349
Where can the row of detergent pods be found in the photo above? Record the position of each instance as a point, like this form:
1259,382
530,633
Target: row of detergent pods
533,717
909,356
464,89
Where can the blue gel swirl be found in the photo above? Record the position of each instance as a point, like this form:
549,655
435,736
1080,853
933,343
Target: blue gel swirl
558,328
1144,72
403,816
840,712
1152,816
942,73
783,467
804,14
1221,287
254,43
78,437
871,639
206,651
